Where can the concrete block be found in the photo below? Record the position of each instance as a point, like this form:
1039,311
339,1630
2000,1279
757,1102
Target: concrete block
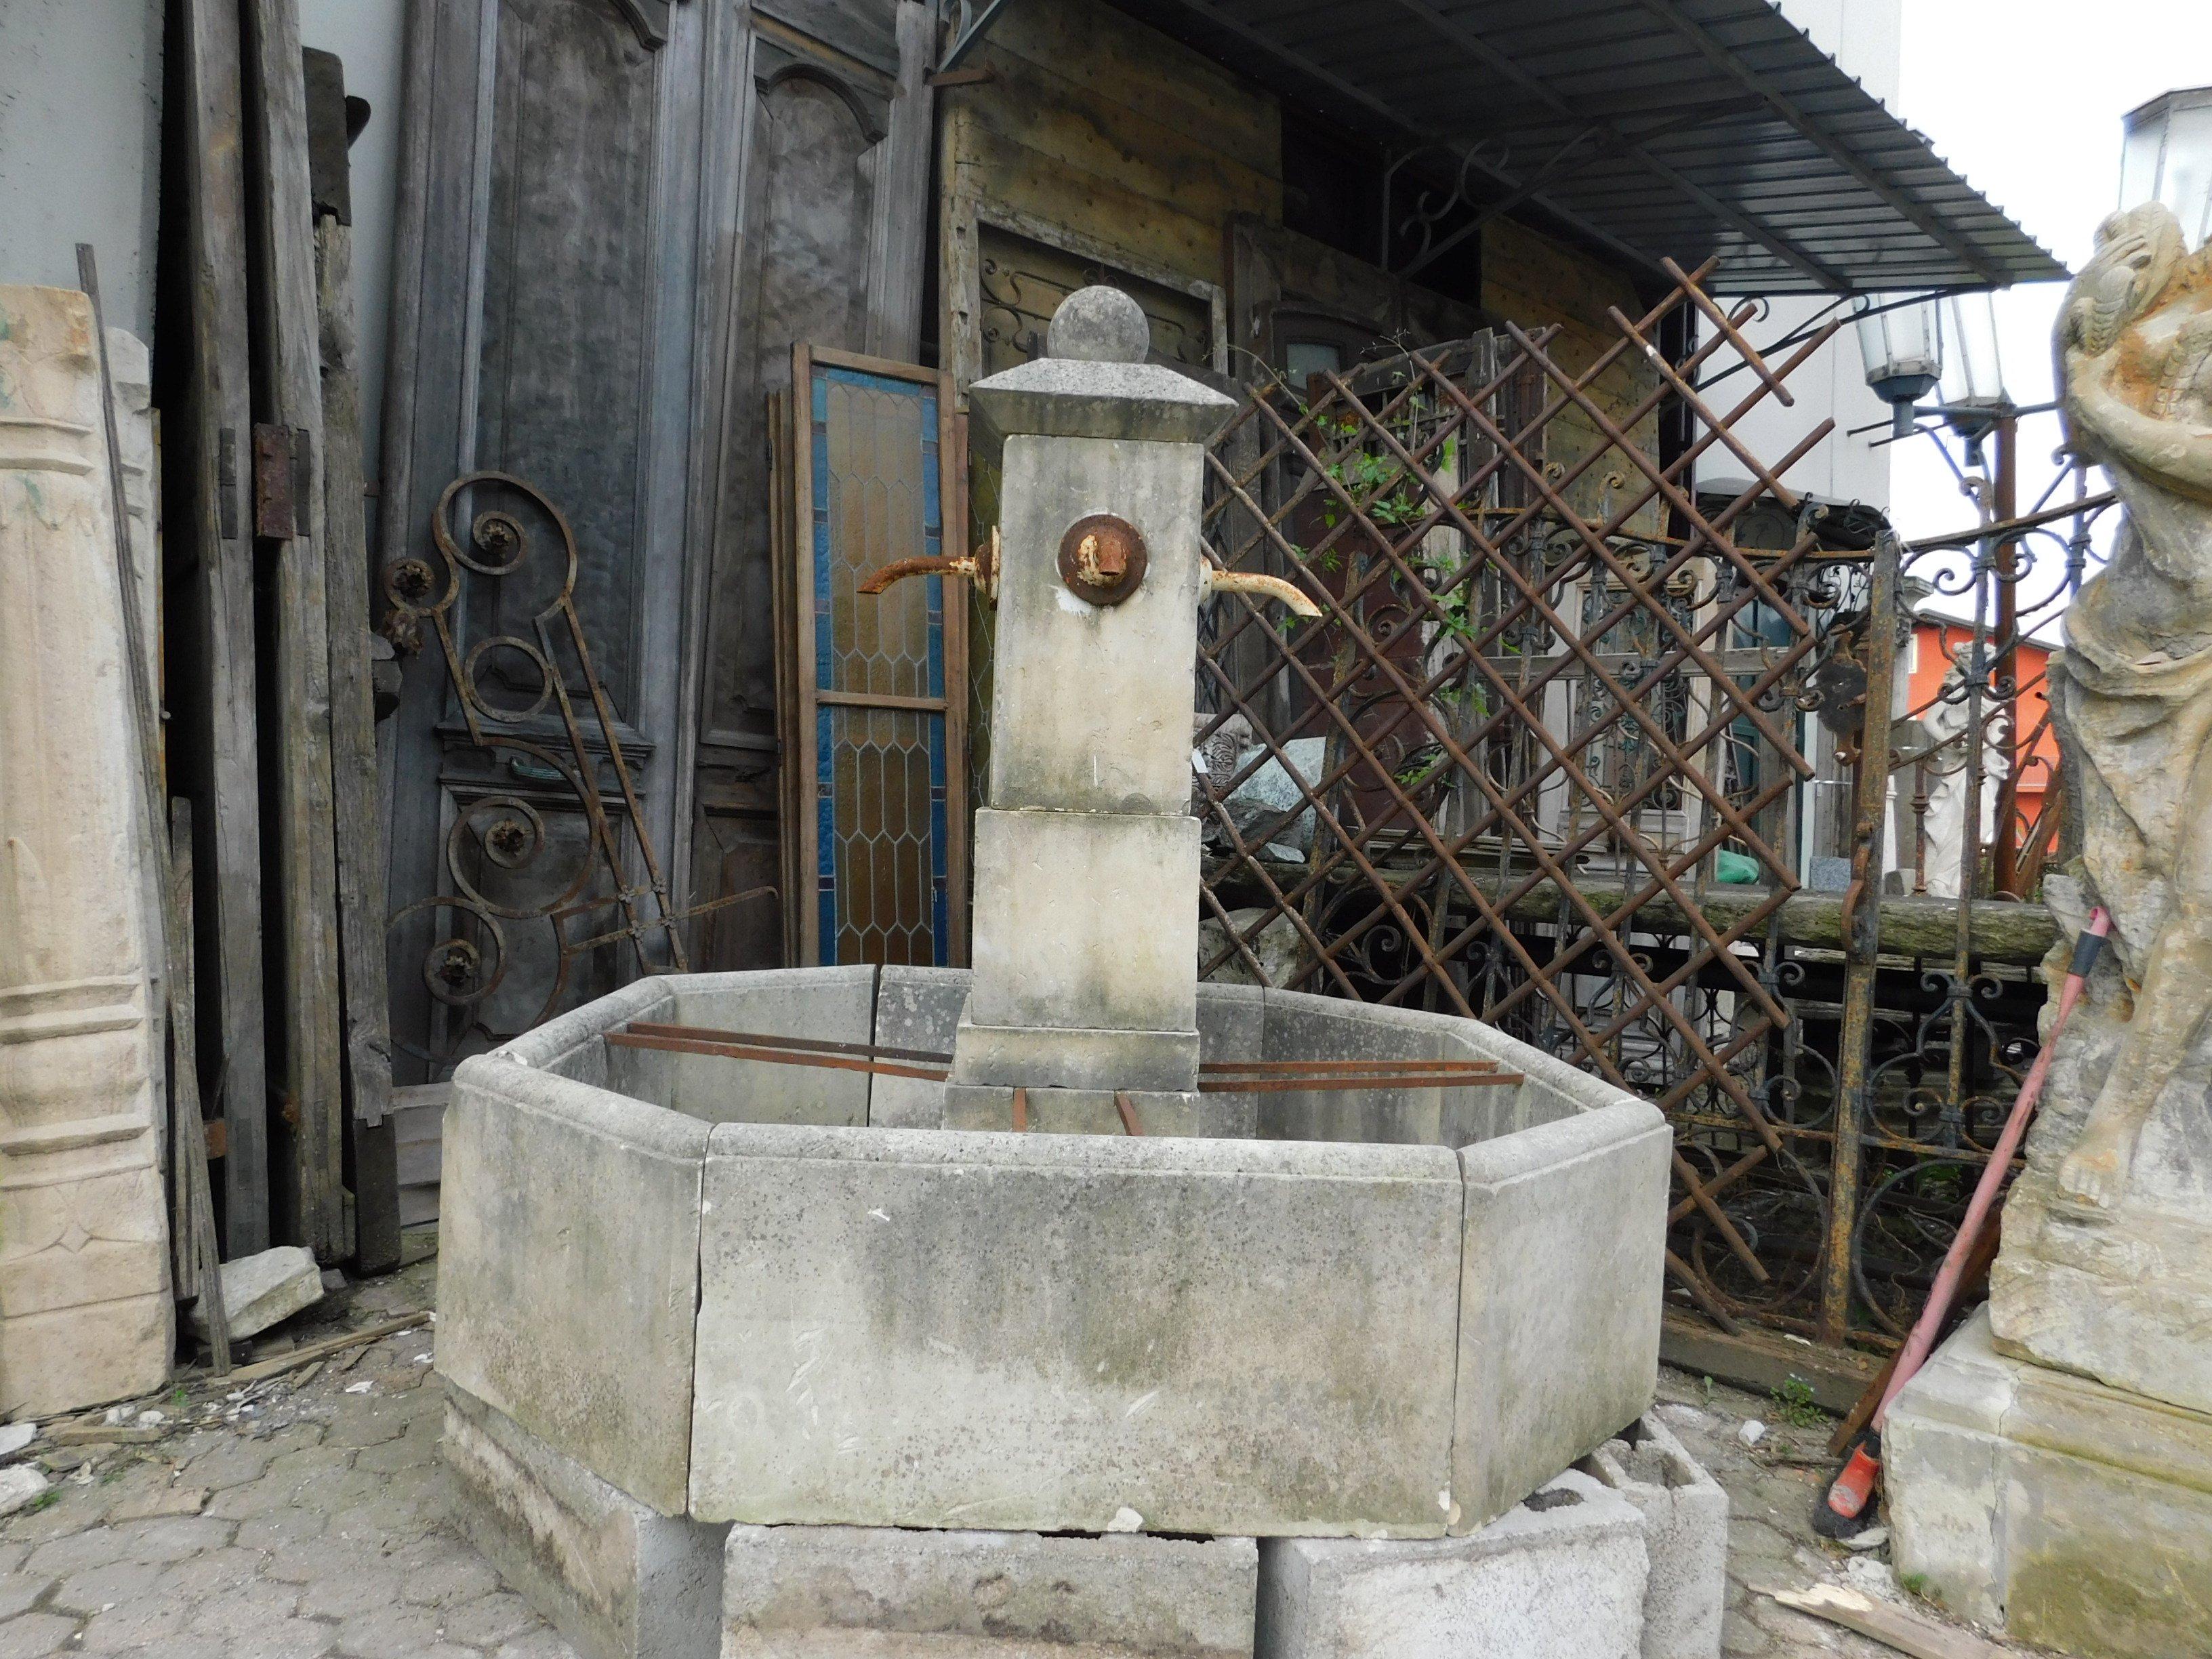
837,1005
1031,1332
1076,927
568,1267
619,1580
1945,1468
833,1592
1094,1112
1558,1332
1686,1514
1064,1057
916,1008
1561,1576
1091,705
265,1289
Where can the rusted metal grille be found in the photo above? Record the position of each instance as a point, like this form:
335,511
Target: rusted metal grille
1539,760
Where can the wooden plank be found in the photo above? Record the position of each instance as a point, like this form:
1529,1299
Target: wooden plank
356,789
215,701
308,1133
783,563
898,236
807,893
185,1245
1898,1627
1762,1361
952,487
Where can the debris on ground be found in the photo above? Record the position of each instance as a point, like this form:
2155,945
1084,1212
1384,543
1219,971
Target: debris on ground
264,1290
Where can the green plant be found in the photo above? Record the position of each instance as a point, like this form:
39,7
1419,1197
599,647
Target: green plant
1796,1404
44,1500
1916,1584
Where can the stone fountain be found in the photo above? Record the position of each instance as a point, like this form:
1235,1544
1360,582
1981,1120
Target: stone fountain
1067,1306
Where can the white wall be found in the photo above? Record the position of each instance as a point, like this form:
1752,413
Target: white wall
79,147
1865,37
369,36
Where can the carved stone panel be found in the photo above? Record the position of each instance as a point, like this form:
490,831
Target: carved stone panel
85,1313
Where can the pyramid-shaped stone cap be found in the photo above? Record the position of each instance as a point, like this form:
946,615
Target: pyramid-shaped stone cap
1095,383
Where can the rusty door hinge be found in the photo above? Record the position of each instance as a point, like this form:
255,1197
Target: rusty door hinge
282,477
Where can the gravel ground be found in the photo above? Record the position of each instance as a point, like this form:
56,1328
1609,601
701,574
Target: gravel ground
306,1515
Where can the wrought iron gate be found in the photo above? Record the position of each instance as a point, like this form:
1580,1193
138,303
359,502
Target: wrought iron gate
1545,759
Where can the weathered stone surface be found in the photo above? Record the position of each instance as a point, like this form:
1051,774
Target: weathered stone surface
1099,325
1049,397
1558,1346
836,1004
263,1290
570,1263
1087,713
1069,1057
1053,1332
916,1008
618,1579
2077,1515
1686,1536
85,1312
1077,928
832,1592
1095,1112
21,1483
2107,1265
1559,1578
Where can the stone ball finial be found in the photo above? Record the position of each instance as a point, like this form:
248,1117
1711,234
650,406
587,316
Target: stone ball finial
1099,326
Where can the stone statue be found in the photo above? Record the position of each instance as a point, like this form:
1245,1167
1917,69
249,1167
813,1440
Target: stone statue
2135,347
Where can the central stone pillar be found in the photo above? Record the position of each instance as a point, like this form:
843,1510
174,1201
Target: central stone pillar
1086,868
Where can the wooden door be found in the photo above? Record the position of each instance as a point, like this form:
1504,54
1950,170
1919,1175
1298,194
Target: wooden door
833,206
604,204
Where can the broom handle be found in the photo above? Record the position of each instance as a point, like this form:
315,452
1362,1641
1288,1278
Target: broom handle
1923,1340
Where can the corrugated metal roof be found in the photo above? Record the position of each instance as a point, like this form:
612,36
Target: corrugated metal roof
1705,126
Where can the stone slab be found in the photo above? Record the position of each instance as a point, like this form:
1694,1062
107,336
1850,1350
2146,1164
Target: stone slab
265,1289
916,1008
1078,924
1562,1576
1558,1345
1086,714
836,1004
1050,1333
619,1580
568,1263
1094,1111
2075,1515
1686,1516
837,1592
1066,1057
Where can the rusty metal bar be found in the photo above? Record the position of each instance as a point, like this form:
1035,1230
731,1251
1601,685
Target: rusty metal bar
831,1063
760,1039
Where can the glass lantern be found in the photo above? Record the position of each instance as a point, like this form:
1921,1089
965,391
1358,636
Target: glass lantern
1972,388
2167,157
1902,340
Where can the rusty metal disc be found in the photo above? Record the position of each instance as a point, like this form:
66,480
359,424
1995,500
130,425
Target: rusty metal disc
1103,559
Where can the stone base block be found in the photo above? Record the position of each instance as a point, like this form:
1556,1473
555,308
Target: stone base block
1562,1576
1068,1057
2075,1515
620,1581
1686,1514
1094,1112
870,1593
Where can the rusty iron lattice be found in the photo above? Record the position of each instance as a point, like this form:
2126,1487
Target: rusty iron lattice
469,959
1552,705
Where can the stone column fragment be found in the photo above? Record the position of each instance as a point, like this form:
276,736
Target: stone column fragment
85,1309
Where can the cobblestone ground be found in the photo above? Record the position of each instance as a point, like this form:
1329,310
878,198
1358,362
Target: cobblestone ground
306,1515
307,1519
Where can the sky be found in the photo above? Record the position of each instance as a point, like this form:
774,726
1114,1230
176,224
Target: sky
2025,98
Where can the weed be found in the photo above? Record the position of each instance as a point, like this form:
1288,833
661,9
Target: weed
1794,1404
44,1500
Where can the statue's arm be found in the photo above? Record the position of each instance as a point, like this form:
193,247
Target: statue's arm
2170,452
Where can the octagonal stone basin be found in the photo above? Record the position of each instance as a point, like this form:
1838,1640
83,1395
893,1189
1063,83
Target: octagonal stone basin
775,1294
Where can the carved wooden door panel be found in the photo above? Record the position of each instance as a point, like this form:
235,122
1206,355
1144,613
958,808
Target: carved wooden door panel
614,217
833,210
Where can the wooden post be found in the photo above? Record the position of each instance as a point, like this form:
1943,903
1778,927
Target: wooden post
360,845
207,482
1861,943
306,1133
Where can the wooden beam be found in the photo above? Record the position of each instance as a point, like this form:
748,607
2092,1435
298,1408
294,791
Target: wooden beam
1762,1361
214,702
360,844
307,1129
